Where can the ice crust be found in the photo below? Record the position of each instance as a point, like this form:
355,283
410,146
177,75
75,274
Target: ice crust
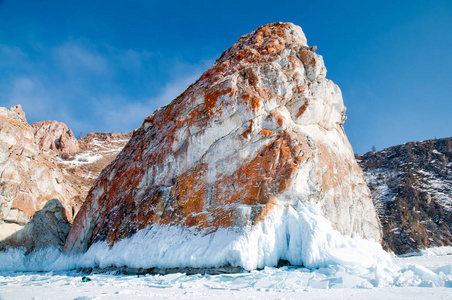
299,235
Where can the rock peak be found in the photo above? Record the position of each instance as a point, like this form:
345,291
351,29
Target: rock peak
270,39
54,135
15,112
288,34
265,44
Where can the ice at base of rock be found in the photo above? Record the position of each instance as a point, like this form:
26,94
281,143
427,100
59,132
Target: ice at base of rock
299,235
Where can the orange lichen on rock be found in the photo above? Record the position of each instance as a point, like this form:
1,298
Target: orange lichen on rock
253,102
307,58
189,195
211,98
258,181
266,132
302,109
25,204
276,118
248,131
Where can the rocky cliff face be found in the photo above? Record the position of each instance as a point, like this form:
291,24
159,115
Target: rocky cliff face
262,128
45,174
32,188
411,187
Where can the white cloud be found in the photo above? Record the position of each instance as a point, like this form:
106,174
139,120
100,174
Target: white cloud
28,91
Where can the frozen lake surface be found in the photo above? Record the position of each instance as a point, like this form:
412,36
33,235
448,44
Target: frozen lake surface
426,276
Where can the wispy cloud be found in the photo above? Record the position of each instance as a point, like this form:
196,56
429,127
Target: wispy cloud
92,87
75,58
122,115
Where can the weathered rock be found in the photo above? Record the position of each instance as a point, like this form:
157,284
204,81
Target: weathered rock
29,179
47,228
104,141
262,127
53,135
411,186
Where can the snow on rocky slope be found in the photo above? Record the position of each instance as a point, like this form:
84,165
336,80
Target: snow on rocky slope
249,166
96,151
411,187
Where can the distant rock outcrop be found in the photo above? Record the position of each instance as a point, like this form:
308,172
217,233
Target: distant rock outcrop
32,188
53,135
262,128
97,150
411,187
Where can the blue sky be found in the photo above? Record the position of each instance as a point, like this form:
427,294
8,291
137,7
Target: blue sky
106,65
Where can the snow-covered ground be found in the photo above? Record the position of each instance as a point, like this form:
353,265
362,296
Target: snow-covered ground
424,276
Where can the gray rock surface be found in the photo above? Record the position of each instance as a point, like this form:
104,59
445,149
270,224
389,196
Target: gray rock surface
411,186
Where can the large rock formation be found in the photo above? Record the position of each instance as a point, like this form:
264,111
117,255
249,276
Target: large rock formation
53,135
411,187
262,128
33,191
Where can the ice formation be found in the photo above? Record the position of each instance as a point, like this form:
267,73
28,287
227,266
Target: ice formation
300,235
